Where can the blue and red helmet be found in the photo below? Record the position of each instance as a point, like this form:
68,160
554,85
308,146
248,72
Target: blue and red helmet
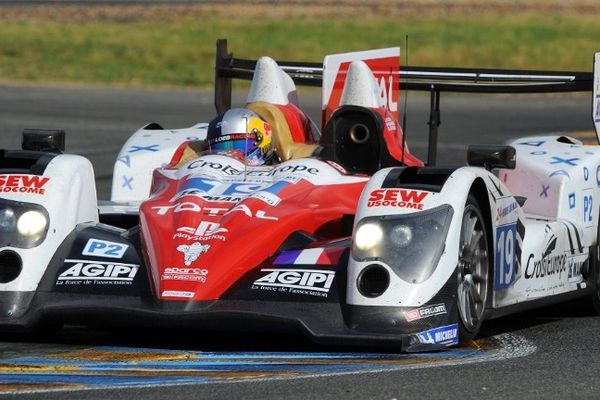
243,133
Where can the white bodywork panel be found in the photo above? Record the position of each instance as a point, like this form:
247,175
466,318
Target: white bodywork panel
146,150
538,249
69,196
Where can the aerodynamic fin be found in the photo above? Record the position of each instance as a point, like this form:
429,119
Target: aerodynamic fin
384,64
271,84
360,88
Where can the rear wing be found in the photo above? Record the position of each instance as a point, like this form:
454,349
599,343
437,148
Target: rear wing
434,80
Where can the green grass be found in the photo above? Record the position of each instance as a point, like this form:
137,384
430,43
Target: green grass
181,52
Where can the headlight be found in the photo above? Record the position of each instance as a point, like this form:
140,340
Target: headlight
411,244
401,235
8,220
22,225
31,223
368,236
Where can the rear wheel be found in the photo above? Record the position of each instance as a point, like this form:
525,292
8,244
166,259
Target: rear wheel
473,267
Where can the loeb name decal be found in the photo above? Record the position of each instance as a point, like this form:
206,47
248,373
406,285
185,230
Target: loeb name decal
425,312
311,282
404,198
23,184
97,273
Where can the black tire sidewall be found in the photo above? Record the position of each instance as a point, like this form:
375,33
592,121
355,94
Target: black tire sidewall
466,335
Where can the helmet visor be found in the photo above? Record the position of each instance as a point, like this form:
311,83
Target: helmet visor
244,142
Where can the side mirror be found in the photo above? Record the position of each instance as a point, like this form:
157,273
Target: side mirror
491,156
49,140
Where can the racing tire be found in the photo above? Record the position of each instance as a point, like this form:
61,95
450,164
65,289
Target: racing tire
473,271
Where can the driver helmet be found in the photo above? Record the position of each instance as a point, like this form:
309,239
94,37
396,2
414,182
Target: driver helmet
242,133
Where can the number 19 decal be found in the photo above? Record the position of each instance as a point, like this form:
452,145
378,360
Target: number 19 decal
506,241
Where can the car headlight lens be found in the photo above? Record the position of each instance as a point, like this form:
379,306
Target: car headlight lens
31,223
22,225
368,236
401,235
8,220
411,244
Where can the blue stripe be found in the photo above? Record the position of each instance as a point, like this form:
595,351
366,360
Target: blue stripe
72,368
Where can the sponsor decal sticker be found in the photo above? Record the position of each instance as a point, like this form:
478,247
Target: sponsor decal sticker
104,248
574,269
184,274
85,272
292,169
316,256
189,207
212,190
260,214
444,335
404,198
549,264
177,293
204,231
193,251
226,169
425,312
506,250
223,168
504,211
588,208
310,282
23,184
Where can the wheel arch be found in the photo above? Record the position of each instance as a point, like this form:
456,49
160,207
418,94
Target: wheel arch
480,192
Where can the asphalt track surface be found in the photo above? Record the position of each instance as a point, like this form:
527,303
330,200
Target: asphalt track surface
549,353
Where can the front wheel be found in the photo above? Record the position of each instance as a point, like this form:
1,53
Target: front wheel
473,267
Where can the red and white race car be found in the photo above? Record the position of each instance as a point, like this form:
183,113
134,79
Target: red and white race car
350,238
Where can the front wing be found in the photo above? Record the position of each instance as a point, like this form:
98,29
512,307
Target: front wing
280,295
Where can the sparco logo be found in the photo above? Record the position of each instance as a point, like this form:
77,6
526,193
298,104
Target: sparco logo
397,198
87,272
297,281
425,312
185,274
23,184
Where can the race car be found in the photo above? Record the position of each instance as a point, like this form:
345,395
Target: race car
349,238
